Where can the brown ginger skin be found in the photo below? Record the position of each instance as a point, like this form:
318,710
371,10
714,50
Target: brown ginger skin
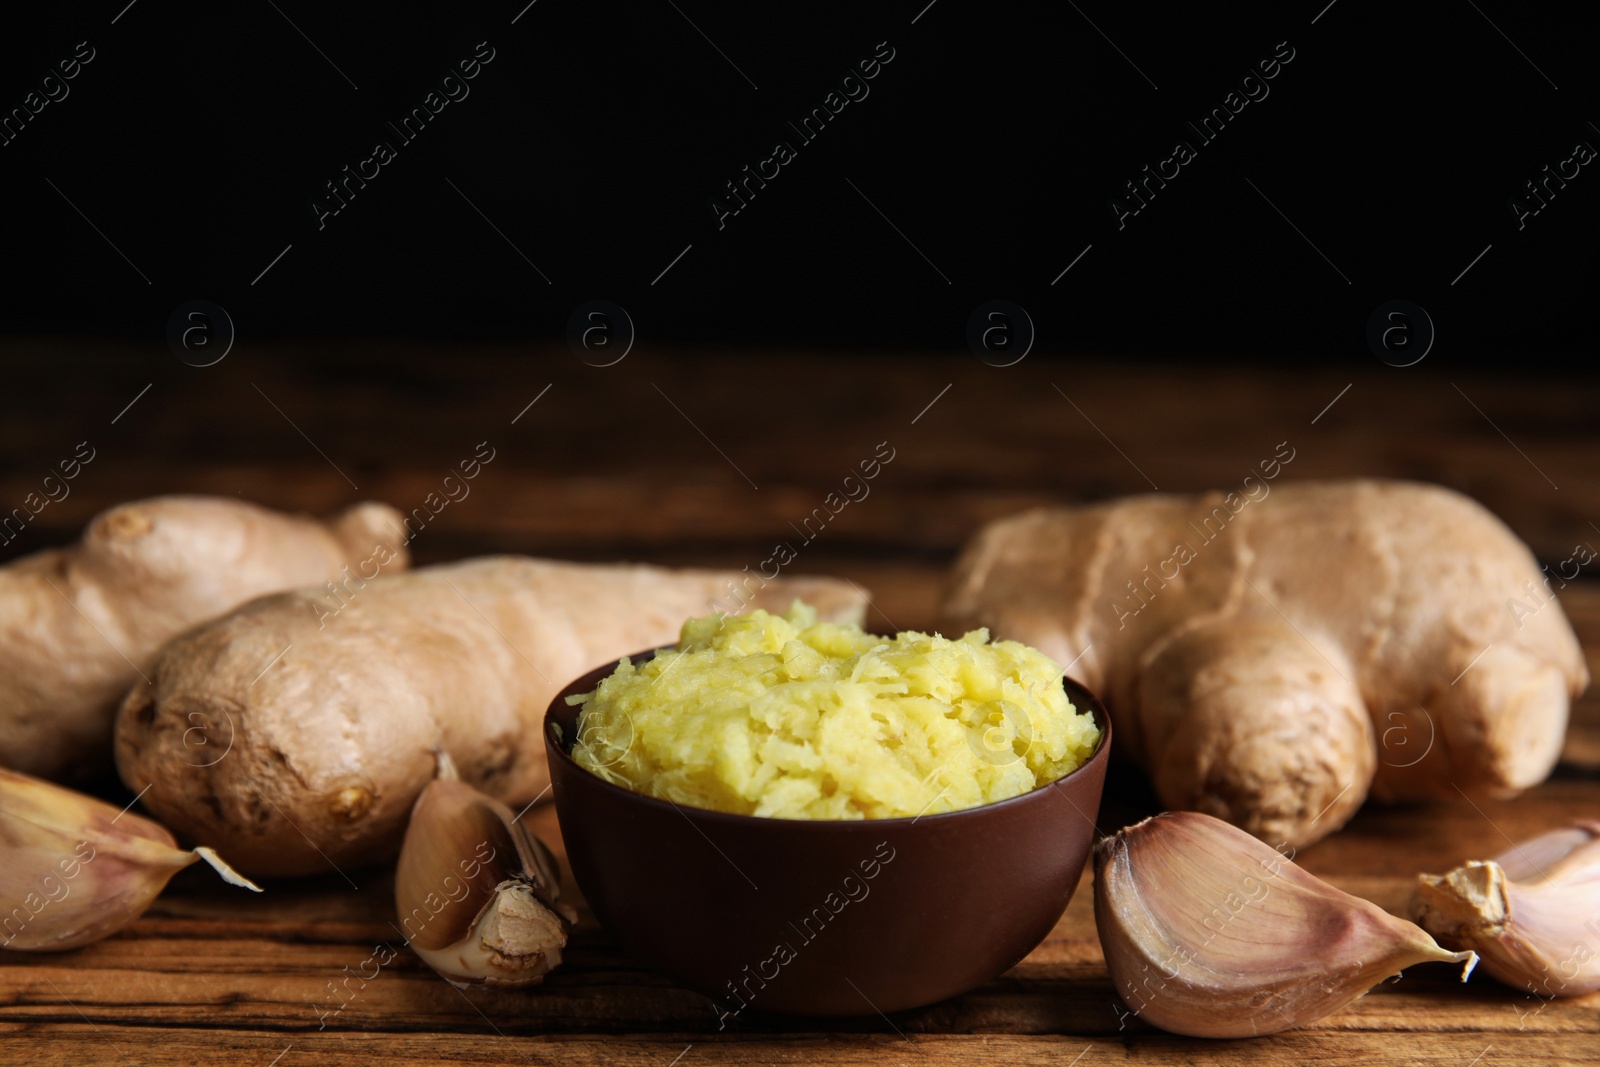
332,746
79,624
1272,659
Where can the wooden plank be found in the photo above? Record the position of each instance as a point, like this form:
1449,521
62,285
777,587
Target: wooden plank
68,1046
603,463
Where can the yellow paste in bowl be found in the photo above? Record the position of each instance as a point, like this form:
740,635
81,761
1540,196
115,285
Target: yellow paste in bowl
783,716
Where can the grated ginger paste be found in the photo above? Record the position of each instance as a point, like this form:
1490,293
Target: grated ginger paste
786,717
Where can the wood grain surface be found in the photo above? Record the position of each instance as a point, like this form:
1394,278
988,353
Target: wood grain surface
708,461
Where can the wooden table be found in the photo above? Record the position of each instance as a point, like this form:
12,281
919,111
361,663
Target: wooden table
656,459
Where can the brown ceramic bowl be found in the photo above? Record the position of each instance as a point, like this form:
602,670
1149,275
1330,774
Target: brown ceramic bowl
824,917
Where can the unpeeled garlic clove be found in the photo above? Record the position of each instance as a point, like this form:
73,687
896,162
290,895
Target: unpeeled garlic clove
1208,932
478,895
75,870
1532,913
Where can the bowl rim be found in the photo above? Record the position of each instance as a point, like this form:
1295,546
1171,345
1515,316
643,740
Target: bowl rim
555,748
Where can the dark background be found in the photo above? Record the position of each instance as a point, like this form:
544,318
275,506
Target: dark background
594,142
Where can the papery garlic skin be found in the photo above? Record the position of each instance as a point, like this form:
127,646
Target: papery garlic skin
478,896
1210,933
75,870
1532,913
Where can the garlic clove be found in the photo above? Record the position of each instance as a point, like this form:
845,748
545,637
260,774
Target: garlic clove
1532,913
76,869
478,895
1211,933
1528,861
515,942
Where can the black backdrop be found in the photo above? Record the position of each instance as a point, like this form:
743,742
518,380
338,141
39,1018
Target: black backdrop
979,162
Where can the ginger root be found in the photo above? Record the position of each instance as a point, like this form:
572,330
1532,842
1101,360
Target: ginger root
333,743
1271,659
78,625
